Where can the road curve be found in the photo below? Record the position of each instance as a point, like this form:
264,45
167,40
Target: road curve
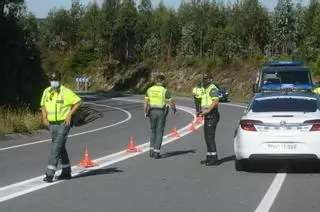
133,182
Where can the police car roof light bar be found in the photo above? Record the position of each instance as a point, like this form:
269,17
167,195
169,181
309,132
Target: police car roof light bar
284,63
288,87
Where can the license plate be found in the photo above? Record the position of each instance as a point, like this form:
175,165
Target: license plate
282,146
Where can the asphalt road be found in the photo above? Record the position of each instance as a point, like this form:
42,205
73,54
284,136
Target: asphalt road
134,182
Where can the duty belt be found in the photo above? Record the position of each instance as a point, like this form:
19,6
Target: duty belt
56,122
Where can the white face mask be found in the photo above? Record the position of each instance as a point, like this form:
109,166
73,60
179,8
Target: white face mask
55,84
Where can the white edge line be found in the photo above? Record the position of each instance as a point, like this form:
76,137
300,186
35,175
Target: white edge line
36,183
77,134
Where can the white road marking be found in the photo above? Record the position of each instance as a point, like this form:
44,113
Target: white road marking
272,192
129,116
33,184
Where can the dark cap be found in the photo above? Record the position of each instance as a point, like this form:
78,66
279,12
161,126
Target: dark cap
55,76
160,78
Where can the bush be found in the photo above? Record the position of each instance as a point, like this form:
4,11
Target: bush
19,121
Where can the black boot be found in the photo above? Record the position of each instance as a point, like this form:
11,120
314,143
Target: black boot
48,179
212,161
204,161
156,155
64,176
151,153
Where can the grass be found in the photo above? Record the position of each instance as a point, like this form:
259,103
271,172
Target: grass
19,121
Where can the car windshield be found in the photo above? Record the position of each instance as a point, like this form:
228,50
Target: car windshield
284,104
287,77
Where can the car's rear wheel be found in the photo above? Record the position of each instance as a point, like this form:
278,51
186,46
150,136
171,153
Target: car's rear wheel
241,165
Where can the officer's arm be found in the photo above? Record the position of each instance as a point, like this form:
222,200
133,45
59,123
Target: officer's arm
43,109
44,116
170,101
194,91
74,108
146,104
214,94
215,102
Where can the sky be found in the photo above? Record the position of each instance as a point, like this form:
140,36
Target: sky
41,7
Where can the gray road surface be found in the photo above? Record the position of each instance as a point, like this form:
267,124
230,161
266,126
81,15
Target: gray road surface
176,182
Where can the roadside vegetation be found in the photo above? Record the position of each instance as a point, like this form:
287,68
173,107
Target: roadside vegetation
121,45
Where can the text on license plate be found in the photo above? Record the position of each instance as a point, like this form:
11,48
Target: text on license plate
282,146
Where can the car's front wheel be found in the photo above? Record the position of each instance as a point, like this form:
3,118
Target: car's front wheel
241,165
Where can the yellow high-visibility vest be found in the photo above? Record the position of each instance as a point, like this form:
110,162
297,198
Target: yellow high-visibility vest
58,104
198,92
206,99
157,96
317,90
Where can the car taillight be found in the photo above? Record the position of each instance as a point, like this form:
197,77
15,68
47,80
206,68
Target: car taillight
248,124
315,124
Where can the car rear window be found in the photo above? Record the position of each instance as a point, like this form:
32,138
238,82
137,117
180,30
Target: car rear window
283,104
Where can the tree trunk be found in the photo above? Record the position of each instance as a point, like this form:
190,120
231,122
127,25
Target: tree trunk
170,47
127,50
1,9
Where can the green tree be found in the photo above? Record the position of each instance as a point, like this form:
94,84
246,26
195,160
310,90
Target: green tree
284,27
144,25
109,13
20,61
125,32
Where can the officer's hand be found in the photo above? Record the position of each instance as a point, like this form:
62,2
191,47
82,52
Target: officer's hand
175,112
204,112
67,121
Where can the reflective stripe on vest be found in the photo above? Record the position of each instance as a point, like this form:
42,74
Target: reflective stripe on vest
157,96
55,105
206,99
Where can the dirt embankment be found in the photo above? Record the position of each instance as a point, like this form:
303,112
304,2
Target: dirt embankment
237,78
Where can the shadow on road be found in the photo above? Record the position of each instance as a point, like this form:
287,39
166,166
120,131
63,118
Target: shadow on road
98,172
226,159
176,153
285,166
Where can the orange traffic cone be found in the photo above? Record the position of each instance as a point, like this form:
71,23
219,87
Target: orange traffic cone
132,147
192,128
175,133
198,120
86,160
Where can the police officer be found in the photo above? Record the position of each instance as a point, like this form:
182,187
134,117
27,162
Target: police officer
197,94
317,89
58,104
155,106
209,110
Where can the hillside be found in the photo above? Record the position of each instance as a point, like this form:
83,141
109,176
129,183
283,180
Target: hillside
180,77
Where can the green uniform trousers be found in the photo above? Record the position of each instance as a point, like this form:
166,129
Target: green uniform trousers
59,135
157,124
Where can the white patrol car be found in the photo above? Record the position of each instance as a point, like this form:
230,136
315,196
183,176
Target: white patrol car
279,125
